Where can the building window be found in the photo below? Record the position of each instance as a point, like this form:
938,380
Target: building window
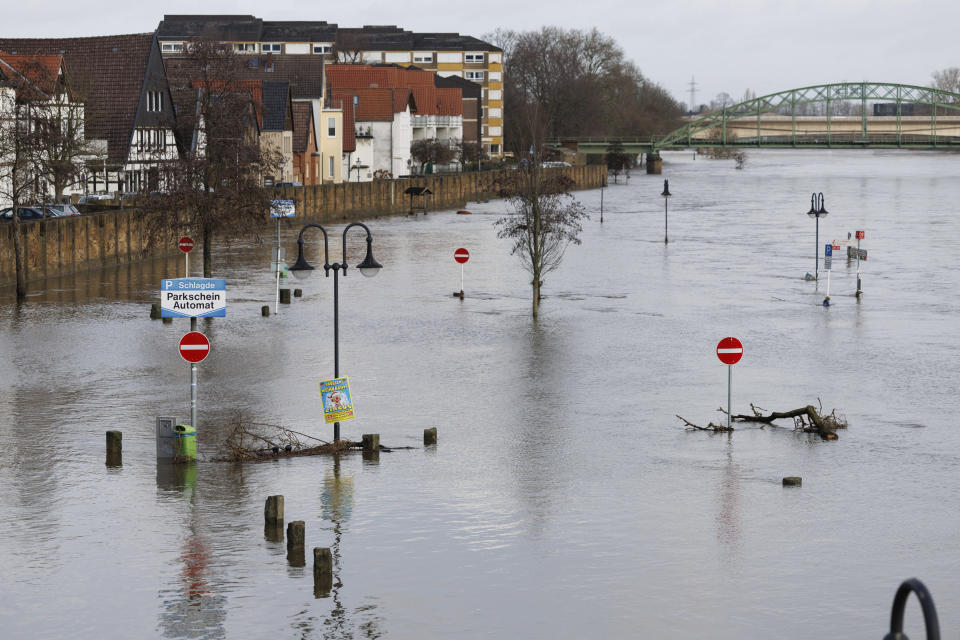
331,166
245,47
322,48
495,149
271,47
331,128
426,58
154,101
473,75
172,47
473,57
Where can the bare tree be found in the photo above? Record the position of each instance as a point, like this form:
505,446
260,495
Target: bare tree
216,185
546,219
470,155
348,47
947,79
431,150
16,170
617,160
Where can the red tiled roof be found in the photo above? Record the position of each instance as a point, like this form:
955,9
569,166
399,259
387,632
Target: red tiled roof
372,104
363,75
253,87
438,102
41,70
349,141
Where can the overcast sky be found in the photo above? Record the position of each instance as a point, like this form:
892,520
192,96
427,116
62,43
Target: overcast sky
766,46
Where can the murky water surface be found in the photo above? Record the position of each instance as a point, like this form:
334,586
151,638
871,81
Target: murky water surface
564,500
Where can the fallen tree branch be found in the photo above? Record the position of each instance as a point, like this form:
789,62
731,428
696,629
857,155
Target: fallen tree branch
807,419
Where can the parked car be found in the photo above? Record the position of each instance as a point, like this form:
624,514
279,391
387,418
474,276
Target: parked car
57,210
25,213
554,164
288,184
94,197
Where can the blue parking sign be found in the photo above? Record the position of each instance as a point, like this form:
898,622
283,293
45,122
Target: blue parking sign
828,249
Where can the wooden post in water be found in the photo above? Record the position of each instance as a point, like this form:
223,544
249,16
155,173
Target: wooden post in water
430,436
155,311
114,448
371,442
322,572
284,296
792,481
296,538
265,310
273,510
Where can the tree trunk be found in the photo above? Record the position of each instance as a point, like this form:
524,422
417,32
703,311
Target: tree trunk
536,297
18,255
207,257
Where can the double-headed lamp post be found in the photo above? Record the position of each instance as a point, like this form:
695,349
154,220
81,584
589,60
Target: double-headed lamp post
369,267
666,196
817,210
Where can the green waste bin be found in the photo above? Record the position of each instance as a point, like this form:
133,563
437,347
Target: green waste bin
185,439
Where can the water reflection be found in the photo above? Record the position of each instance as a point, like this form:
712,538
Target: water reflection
729,519
194,610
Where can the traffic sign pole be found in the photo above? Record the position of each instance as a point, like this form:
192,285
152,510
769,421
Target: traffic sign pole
461,255
729,393
828,265
860,235
729,351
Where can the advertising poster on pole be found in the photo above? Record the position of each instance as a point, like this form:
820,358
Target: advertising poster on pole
337,401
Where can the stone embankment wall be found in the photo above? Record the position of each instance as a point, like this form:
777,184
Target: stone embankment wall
60,246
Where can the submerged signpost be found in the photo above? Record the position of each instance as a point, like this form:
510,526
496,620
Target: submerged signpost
729,350
828,265
461,255
193,298
280,209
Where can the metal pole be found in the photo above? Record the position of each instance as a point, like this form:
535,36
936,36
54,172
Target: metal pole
193,395
816,253
665,240
186,264
276,304
859,290
601,204
461,278
336,337
729,393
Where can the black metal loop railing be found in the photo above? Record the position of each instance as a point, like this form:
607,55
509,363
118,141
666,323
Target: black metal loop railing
930,621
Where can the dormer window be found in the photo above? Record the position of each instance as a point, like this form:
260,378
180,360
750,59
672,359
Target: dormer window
154,101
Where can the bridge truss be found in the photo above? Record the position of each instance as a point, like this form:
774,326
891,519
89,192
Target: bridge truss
786,102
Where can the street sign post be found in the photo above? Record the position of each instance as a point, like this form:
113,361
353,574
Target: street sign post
193,298
194,347
860,236
280,209
729,350
461,255
828,265
186,245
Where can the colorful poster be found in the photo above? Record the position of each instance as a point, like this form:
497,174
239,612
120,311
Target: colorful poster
337,402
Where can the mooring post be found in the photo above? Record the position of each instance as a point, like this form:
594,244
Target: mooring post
371,442
284,296
430,436
296,538
114,448
155,311
322,571
265,311
273,510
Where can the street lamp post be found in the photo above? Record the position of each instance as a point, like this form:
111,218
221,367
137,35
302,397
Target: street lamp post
817,210
369,267
666,196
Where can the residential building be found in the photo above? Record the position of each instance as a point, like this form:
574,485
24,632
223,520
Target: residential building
378,130
128,107
447,54
306,153
276,129
36,99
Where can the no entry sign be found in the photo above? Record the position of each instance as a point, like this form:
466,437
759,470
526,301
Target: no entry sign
461,255
729,350
194,347
185,244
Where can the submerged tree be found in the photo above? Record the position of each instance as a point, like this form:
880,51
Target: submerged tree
617,159
546,219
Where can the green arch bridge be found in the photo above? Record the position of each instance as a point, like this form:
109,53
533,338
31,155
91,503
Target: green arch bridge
931,121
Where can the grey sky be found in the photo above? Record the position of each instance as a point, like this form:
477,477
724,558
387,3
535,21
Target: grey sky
729,46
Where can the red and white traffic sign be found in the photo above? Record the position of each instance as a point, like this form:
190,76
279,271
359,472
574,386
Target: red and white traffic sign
729,350
194,347
461,255
861,235
185,244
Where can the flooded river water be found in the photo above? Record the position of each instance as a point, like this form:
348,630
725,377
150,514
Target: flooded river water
564,499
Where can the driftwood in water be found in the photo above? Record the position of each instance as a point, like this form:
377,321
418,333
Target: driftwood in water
808,419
